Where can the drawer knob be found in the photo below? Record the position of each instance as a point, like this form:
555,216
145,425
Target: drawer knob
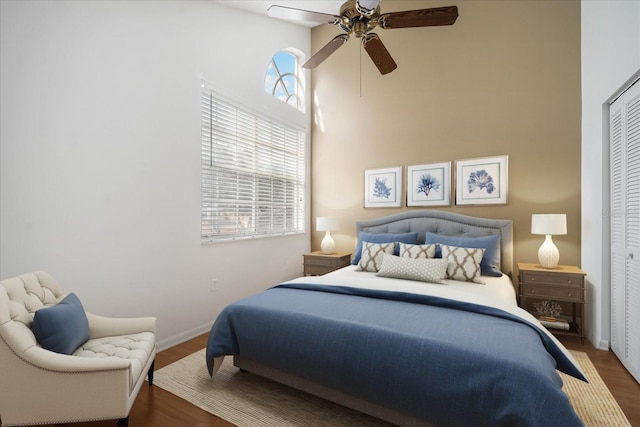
533,279
568,294
569,281
533,291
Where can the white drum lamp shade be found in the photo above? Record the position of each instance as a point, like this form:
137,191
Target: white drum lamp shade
328,224
548,225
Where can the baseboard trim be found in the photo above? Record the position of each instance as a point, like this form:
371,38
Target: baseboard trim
182,337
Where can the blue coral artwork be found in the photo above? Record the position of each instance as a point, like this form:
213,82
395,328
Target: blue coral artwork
482,181
382,188
429,185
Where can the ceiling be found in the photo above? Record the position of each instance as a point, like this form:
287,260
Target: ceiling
260,6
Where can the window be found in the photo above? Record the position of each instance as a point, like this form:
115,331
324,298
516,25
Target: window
284,79
253,171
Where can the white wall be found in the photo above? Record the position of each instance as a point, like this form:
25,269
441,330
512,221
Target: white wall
610,56
100,153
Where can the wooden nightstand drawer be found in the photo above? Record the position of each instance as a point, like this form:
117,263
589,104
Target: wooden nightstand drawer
321,261
316,270
562,285
572,280
557,293
317,263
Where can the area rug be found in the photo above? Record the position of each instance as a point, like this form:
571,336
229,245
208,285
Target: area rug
593,402
251,401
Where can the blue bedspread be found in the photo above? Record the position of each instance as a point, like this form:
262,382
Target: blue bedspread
449,363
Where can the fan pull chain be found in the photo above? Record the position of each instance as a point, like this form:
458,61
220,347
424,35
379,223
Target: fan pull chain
361,47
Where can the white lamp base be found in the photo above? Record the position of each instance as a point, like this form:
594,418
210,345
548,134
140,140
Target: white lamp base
548,254
328,246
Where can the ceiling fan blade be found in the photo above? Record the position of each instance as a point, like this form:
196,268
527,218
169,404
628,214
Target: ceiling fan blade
378,53
293,14
419,18
326,51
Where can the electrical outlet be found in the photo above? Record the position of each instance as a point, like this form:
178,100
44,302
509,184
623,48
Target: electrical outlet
214,285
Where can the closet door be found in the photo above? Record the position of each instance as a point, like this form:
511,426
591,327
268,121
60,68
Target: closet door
625,228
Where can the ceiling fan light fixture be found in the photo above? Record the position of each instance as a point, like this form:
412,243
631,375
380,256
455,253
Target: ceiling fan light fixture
367,7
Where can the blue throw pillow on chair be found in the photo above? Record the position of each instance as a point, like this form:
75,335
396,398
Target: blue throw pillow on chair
62,327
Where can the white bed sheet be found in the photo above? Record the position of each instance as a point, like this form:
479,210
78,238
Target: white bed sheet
496,292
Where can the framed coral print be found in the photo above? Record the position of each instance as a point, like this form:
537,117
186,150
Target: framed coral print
482,181
429,185
383,188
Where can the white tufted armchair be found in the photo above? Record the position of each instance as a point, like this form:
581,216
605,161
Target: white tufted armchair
99,381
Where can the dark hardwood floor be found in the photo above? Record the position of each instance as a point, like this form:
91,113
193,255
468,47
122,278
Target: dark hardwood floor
155,407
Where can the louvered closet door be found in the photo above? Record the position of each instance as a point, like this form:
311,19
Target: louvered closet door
625,228
618,250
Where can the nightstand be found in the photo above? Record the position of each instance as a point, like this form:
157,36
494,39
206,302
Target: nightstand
317,263
563,284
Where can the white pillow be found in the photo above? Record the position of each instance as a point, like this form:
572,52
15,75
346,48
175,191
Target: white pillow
464,263
371,256
432,270
417,251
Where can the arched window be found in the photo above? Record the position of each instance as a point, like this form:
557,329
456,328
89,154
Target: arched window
284,79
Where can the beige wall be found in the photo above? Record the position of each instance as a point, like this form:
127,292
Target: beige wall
503,80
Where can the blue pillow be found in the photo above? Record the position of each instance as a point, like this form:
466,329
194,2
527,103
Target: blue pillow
410,238
491,244
62,327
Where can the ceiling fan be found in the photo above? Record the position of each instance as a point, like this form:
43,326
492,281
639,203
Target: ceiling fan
360,17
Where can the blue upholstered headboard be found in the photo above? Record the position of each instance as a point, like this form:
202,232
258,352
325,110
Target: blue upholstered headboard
447,223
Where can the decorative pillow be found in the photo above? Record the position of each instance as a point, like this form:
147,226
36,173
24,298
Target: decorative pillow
422,269
382,238
490,264
372,253
62,327
464,263
417,251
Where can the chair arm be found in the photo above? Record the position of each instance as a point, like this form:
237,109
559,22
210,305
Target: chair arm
100,326
57,362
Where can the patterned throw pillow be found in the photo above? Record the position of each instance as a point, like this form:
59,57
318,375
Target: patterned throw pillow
430,270
382,238
371,257
490,264
464,263
417,251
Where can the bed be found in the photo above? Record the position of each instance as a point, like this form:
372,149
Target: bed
400,340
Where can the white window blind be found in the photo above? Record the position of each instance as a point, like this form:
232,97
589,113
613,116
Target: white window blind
253,170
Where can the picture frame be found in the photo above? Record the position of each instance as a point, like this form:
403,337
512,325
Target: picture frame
482,181
429,184
383,188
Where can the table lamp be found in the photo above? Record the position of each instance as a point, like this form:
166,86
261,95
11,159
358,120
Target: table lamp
548,224
328,224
